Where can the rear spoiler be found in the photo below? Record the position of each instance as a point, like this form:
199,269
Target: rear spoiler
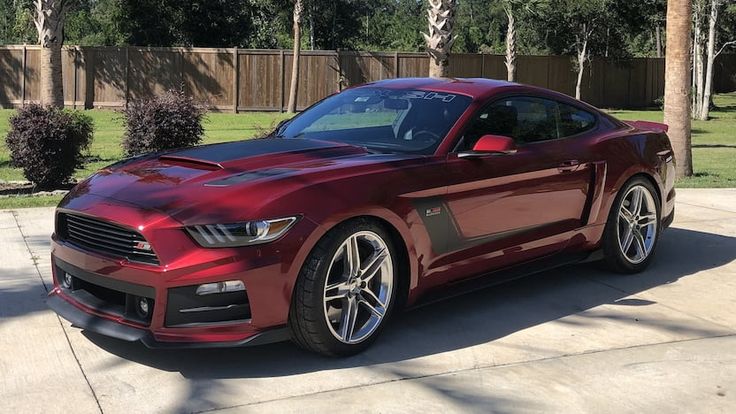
648,126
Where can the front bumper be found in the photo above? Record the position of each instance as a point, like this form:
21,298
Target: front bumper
268,273
87,321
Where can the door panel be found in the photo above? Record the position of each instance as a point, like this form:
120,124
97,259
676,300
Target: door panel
522,194
509,208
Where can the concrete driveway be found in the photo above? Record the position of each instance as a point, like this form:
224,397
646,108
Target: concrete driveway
575,339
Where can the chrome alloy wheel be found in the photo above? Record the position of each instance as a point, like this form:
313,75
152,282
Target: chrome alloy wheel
358,287
637,224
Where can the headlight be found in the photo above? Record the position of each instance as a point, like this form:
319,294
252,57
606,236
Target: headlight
241,234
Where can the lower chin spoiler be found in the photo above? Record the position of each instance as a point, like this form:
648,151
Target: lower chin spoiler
92,323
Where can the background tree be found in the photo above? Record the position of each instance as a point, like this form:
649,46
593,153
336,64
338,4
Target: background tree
704,104
510,41
294,86
526,10
441,19
628,29
677,83
579,23
49,21
16,22
698,48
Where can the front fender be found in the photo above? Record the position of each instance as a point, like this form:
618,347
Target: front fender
325,224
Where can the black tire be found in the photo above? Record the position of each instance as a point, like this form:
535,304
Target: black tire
307,322
615,259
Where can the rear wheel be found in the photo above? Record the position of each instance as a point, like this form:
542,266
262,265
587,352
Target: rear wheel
633,227
345,291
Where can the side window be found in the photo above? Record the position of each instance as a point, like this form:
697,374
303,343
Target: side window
573,121
536,120
524,119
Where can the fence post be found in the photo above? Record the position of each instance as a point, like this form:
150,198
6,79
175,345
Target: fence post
75,82
396,65
236,79
127,77
23,77
282,72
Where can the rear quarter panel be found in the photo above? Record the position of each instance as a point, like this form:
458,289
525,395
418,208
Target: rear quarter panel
630,151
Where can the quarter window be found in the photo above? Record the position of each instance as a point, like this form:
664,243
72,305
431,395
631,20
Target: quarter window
574,121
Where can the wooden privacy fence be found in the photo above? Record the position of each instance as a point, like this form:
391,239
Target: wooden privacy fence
258,80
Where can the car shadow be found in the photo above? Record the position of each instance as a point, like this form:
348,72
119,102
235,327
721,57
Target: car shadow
479,317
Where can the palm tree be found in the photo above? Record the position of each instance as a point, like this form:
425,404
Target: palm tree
514,9
441,17
298,9
510,42
49,21
677,83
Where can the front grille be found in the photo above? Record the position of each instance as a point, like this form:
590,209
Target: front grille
103,237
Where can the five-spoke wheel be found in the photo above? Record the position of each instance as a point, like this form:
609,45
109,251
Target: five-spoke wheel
358,286
346,289
637,224
633,227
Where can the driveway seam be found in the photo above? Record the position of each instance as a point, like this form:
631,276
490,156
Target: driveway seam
470,369
708,207
58,318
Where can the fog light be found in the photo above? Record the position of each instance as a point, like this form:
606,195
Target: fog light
220,287
66,281
143,307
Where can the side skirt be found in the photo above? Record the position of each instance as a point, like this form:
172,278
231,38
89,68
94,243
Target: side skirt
505,275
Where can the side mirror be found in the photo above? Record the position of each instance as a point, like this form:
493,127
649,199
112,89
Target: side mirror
490,144
280,127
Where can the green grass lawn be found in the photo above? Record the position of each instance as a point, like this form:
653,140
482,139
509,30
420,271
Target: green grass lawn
106,149
714,144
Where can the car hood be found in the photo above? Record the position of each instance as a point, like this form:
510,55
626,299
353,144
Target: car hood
194,184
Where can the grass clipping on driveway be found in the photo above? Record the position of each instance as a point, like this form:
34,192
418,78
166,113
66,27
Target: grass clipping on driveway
714,144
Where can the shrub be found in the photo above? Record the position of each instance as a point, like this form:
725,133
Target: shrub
47,143
169,121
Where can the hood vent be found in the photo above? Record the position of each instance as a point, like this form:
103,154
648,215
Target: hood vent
190,162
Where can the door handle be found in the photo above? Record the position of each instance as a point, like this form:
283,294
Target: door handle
569,166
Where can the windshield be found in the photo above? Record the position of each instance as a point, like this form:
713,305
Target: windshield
380,119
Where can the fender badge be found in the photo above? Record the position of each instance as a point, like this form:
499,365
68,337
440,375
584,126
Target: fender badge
433,211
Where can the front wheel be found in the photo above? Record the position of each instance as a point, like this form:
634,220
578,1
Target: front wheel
345,291
633,227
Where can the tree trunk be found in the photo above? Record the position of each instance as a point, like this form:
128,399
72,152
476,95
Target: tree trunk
582,49
510,44
708,88
658,36
298,8
441,19
311,27
698,67
677,83
49,19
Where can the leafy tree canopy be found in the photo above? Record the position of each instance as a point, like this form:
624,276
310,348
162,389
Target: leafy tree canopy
620,27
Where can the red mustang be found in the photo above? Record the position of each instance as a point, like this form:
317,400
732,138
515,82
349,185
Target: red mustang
380,197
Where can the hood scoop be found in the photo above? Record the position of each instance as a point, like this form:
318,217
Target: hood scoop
190,162
250,176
